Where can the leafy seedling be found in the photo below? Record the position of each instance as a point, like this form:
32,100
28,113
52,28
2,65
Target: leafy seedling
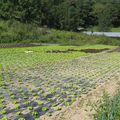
34,113
40,103
57,108
2,106
2,112
4,118
18,113
21,119
49,114
12,96
67,104
27,103
44,109
30,108
16,106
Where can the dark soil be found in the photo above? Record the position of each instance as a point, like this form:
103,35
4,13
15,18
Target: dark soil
94,50
74,50
58,51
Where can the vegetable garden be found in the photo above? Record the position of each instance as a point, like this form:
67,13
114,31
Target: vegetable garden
34,83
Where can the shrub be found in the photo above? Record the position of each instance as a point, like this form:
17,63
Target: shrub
109,109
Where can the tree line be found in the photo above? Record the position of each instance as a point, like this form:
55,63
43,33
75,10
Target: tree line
63,14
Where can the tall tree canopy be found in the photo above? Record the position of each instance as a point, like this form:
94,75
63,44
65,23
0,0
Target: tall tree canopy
63,14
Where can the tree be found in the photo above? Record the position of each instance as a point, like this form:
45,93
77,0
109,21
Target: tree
107,17
63,14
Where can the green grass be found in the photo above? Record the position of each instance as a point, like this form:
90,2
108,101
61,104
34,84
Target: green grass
95,29
46,57
42,49
116,29
110,108
16,32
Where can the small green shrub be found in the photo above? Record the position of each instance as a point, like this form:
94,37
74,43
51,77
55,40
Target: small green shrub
109,109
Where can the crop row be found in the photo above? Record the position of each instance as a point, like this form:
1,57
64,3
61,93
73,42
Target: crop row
30,87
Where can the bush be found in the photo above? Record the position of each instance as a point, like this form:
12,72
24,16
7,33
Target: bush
109,109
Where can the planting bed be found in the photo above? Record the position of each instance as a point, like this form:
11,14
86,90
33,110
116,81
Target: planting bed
83,50
31,86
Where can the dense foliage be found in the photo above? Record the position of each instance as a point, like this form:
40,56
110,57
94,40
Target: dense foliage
63,14
110,108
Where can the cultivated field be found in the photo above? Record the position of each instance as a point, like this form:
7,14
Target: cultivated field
41,80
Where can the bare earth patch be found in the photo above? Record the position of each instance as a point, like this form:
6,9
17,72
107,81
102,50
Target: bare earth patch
82,50
82,110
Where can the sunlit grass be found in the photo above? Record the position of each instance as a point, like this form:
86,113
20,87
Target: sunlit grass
109,108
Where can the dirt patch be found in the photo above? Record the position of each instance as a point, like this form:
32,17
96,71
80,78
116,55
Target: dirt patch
74,50
81,110
115,50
